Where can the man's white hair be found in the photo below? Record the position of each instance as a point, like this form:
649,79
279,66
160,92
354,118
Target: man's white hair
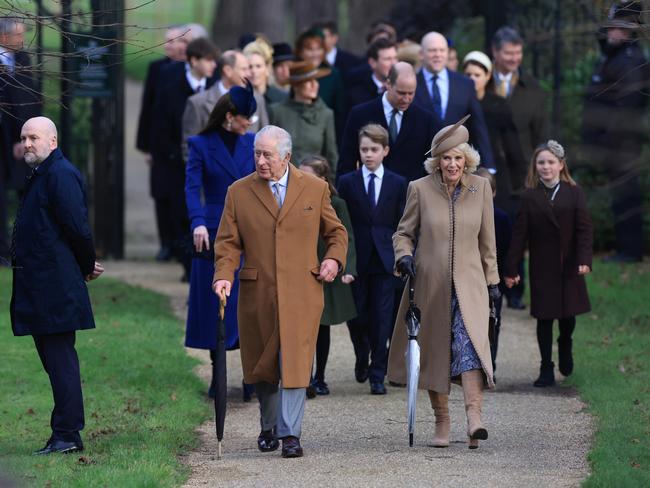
282,137
195,31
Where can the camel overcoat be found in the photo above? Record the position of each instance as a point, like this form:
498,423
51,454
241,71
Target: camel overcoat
280,299
448,242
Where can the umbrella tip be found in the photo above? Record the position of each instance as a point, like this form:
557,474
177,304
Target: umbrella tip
219,450
410,440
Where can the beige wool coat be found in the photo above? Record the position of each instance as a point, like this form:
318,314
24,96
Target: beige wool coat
449,242
280,299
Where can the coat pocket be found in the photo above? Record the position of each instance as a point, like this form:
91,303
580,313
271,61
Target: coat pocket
248,274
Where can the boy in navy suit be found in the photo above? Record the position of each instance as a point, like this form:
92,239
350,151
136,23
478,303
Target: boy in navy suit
375,197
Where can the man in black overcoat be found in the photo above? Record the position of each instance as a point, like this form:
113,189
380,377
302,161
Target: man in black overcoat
612,129
52,256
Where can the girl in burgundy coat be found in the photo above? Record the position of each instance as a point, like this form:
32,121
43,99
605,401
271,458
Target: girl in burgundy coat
553,220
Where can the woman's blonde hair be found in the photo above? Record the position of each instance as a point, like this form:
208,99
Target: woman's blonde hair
556,149
261,47
472,159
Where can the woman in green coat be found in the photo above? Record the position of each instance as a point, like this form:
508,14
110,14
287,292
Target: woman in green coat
339,302
305,116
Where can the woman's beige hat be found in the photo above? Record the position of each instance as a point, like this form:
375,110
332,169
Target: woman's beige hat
449,137
480,58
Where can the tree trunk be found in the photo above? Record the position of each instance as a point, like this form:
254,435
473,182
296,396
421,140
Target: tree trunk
354,23
236,17
309,11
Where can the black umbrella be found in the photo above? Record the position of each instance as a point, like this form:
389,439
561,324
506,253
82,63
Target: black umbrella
219,376
412,359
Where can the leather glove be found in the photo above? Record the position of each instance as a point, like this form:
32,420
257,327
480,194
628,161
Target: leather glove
406,266
494,292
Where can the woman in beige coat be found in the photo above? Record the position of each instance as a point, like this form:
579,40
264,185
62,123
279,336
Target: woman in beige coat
445,241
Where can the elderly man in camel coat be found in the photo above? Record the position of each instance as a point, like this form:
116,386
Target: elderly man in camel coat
273,219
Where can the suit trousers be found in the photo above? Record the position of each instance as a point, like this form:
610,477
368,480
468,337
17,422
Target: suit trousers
374,296
282,408
164,222
60,361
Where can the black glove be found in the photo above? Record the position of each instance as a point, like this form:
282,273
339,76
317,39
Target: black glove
494,292
406,266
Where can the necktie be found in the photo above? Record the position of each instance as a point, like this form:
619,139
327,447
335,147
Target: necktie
277,194
371,190
392,127
435,96
199,89
502,89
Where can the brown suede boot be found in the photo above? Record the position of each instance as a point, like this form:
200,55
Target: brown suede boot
440,405
473,392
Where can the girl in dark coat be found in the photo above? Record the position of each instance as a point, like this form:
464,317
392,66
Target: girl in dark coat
553,220
339,302
221,154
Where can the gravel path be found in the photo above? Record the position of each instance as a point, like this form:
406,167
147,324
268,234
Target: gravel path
538,437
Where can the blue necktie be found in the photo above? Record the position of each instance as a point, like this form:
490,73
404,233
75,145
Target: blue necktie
392,127
435,96
371,190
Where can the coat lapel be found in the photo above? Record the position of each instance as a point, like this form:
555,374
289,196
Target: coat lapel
260,188
295,186
221,156
544,204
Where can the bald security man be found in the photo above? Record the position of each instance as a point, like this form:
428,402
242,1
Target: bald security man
53,256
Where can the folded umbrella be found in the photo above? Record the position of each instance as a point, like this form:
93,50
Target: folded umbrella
412,359
219,375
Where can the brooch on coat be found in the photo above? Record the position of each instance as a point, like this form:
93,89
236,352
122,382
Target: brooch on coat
472,189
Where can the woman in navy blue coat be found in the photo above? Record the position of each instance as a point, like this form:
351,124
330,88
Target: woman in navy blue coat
218,156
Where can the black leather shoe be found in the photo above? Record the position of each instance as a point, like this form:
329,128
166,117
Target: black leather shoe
546,376
320,387
291,447
62,447
267,441
396,384
516,303
361,372
565,354
377,388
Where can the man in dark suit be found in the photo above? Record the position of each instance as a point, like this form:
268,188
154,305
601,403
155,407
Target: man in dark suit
527,102
52,256
450,96
175,45
410,127
342,60
168,169
19,101
375,197
382,54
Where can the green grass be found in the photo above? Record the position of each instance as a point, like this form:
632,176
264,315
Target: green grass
612,352
142,401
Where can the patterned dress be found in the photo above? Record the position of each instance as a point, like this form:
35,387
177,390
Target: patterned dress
463,354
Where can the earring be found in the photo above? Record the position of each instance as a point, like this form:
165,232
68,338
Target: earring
229,125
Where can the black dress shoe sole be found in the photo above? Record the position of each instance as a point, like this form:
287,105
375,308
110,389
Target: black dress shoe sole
68,450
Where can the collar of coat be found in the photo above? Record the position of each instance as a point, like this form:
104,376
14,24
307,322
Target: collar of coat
295,185
437,177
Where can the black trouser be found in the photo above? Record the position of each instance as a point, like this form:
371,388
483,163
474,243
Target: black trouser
627,206
374,296
164,221
322,351
61,363
545,336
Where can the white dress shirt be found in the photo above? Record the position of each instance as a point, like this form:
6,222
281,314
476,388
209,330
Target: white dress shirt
443,87
282,185
194,83
7,58
379,176
331,56
388,113
379,84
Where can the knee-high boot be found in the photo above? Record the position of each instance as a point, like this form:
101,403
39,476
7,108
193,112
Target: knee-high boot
440,405
473,393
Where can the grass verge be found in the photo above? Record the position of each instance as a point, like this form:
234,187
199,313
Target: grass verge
142,401
612,349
